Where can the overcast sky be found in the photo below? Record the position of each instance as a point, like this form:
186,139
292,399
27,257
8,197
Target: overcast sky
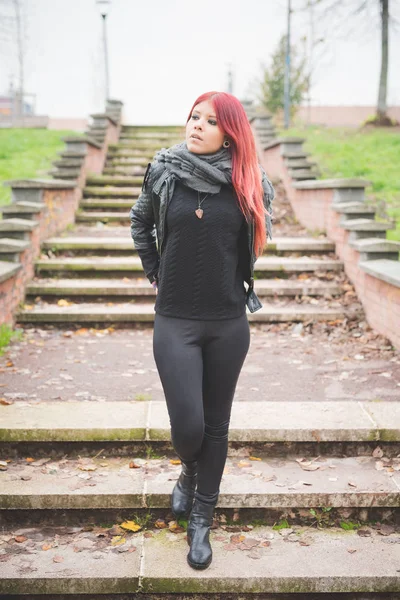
164,53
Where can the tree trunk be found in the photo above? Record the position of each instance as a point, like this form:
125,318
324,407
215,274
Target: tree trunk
382,106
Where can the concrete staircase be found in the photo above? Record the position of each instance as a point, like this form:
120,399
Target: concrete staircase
92,274
309,504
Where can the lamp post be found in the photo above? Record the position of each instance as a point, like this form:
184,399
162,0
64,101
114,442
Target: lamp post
287,70
104,8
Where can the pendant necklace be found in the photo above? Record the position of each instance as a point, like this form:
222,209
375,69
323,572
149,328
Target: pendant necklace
199,211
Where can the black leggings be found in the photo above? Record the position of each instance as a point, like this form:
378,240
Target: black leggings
199,363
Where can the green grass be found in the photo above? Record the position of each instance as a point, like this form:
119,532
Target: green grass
7,334
372,154
27,153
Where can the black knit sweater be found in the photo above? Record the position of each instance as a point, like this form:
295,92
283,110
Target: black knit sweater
200,276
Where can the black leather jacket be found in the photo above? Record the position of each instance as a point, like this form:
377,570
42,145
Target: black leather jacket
148,220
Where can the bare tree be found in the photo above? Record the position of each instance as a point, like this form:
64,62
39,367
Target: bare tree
342,17
12,34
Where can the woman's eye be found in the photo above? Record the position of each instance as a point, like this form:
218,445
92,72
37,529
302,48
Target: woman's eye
195,117
212,122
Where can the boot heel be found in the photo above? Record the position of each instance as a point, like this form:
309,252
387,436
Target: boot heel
183,493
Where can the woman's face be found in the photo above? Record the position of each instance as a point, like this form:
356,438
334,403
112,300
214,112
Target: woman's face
203,136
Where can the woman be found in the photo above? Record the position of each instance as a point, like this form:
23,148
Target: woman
207,203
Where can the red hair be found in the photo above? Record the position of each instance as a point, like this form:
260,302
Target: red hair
246,174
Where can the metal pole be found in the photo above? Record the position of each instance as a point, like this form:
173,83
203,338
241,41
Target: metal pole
107,74
287,71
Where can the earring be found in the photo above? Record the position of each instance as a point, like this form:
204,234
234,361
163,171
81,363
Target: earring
226,144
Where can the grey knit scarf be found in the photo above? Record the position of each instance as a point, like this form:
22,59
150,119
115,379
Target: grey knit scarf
207,172
202,172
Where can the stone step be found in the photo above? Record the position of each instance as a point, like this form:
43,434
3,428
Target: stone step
71,154
119,162
303,174
68,163
366,225
110,263
129,153
119,287
8,269
152,129
295,154
354,208
22,208
120,181
104,216
275,482
17,228
65,173
304,421
144,313
101,203
111,192
298,163
11,245
284,244
305,561
148,145
158,135
130,171
376,248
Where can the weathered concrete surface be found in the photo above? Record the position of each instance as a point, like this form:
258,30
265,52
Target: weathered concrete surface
73,421
97,561
335,561
260,481
332,363
135,421
74,563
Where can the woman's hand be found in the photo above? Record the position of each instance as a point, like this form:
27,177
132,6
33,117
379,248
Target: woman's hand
154,284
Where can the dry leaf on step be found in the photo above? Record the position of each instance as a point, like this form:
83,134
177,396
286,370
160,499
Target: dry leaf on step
130,526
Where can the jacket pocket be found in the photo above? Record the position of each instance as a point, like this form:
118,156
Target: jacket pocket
252,301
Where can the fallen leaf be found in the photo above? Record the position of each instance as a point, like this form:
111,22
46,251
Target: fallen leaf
20,538
174,461
352,484
175,527
133,465
254,458
236,539
5,402
378,452
351,550
249,543
148,534
131,526
254,553
364,532
230,547
115,530
118,540
58,559
87,467
47,546
63,302
386,529
29,459
242,463
9,363
160,524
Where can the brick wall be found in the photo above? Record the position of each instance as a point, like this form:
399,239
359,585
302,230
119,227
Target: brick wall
313,209
59,212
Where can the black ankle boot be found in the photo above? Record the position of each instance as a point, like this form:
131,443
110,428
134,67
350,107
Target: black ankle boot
183,492
198,534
